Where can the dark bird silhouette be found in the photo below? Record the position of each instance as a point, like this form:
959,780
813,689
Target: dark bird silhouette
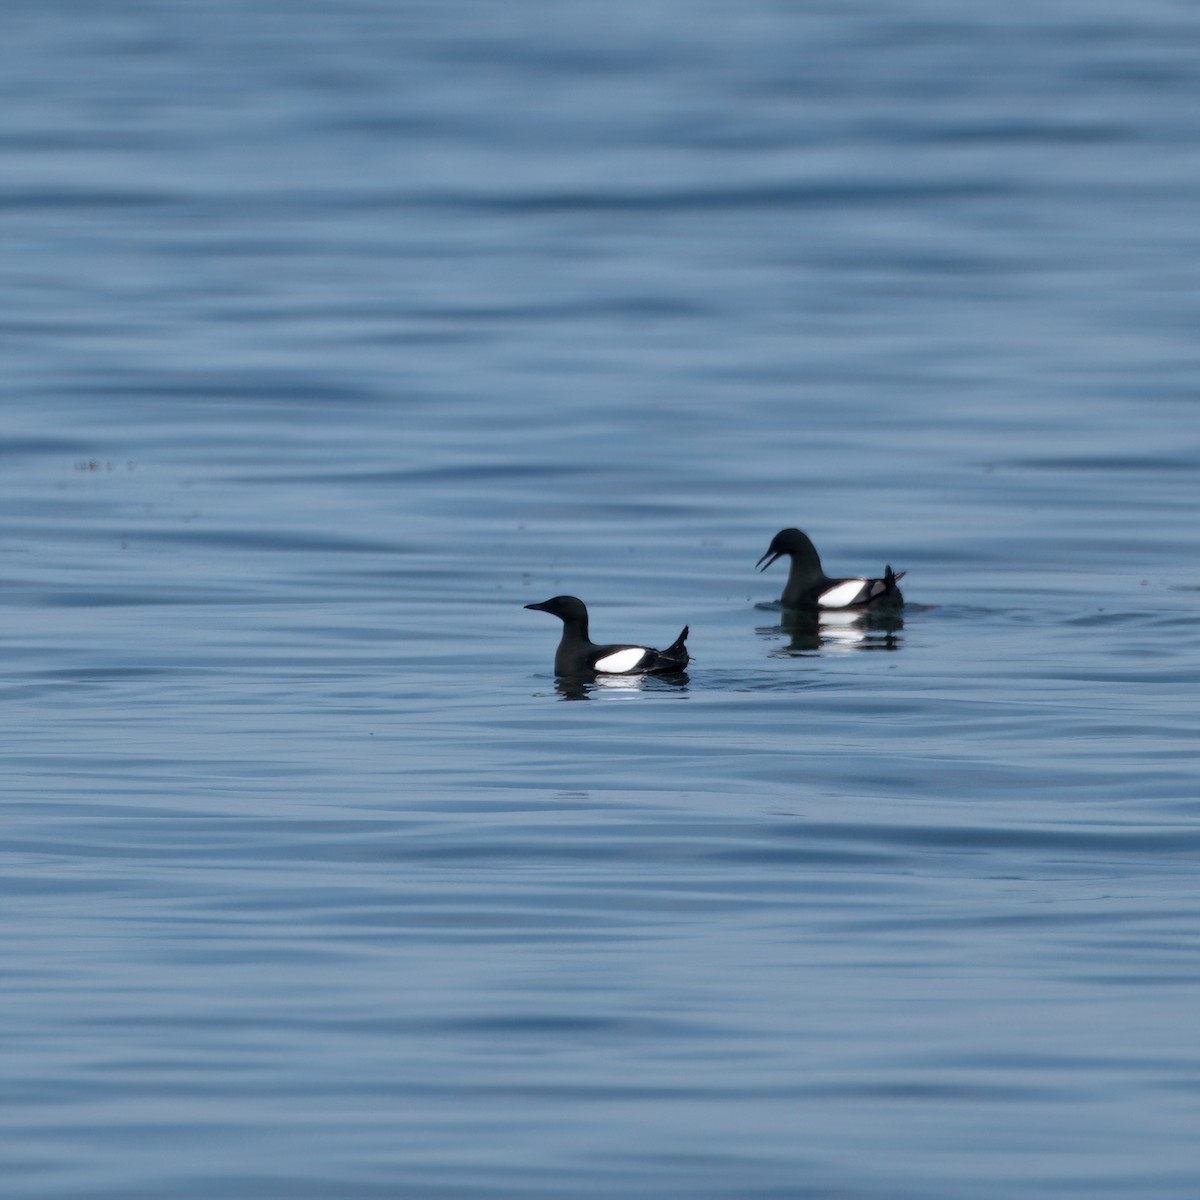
578,655
808,587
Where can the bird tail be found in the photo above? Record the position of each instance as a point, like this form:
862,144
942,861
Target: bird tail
891,578
675,654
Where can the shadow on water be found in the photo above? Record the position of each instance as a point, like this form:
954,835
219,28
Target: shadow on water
584,689
810,633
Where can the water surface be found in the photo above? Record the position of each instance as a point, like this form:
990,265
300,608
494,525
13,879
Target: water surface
336,335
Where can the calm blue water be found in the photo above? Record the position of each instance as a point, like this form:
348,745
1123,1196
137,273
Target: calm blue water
335,334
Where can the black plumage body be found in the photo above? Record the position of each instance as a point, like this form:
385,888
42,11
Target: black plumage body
578,655
808,587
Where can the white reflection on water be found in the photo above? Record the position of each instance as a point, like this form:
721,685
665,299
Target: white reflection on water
811,633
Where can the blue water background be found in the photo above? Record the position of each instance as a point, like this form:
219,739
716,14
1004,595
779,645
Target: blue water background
334,334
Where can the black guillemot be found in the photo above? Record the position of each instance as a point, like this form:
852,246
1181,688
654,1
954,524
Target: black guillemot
808,586
578,655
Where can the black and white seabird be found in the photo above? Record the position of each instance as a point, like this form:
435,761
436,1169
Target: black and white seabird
808,587
578,655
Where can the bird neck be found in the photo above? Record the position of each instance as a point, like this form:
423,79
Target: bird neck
805,571
575,630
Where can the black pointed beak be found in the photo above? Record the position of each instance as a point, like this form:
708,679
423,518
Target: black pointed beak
538,607
768,558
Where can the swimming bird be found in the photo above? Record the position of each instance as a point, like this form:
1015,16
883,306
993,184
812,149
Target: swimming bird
809,587
578,655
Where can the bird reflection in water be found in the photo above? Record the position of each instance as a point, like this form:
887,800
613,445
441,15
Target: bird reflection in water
831,629
583,688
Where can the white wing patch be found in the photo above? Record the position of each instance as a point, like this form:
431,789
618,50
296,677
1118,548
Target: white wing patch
841,595
621,660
